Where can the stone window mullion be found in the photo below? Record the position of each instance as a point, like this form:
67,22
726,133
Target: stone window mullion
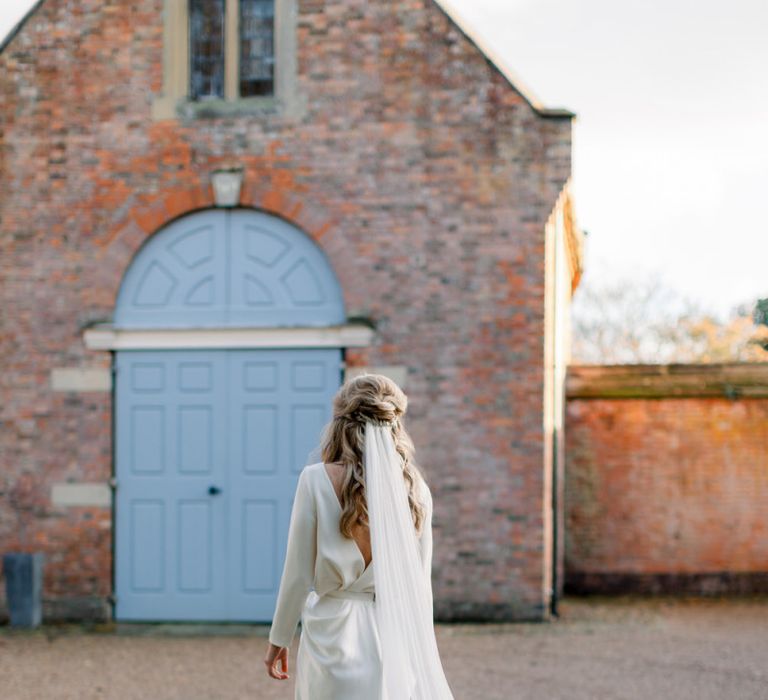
232,50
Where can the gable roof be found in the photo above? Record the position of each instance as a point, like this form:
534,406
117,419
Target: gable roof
498,63
455,18
17,27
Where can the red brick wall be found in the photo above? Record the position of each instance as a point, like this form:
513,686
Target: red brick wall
665,492
425,177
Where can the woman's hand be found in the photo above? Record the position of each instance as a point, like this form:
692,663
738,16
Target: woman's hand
277,656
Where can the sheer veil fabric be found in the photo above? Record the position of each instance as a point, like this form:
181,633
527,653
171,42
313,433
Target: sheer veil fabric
410,658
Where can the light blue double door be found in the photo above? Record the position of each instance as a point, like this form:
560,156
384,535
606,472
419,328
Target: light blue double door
209,444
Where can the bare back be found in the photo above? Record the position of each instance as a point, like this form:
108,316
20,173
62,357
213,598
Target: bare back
360,533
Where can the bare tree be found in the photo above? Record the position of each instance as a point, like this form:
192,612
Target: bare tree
646,322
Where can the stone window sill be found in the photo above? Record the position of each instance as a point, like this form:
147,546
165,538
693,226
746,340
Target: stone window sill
168,108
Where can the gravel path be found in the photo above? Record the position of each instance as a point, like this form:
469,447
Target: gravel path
617,649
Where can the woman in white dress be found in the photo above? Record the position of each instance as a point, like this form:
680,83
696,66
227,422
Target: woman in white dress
357,570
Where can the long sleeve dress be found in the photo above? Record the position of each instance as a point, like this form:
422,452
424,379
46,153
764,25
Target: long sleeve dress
339,653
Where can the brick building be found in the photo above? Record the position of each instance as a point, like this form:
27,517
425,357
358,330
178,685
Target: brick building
202,231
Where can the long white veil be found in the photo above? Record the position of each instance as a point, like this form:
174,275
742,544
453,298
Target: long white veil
411,661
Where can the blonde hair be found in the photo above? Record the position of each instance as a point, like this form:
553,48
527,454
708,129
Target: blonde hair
377,398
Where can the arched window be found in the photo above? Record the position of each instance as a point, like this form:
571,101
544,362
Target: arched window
229,268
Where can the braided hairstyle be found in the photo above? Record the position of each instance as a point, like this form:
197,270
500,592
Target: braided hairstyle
377,398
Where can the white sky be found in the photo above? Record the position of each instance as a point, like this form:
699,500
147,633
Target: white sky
671,136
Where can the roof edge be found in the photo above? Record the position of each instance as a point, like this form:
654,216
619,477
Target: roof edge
497,62
17,27
453,16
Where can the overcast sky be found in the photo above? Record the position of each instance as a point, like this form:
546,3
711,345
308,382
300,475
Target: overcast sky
671,136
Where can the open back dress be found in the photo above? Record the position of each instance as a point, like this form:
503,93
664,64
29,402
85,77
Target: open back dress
326,584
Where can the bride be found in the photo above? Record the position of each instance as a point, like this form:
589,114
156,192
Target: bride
358,561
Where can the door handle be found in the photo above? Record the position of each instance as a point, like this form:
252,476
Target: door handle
214,490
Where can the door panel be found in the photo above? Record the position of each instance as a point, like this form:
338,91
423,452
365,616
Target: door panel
240,421
278,276
274,423
179,278
170,449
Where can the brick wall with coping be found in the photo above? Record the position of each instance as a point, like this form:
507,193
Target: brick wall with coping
667,478
425,177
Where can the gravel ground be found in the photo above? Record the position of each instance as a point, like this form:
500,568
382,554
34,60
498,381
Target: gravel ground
618,649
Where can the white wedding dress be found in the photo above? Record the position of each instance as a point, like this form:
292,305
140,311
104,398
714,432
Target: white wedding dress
339,655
